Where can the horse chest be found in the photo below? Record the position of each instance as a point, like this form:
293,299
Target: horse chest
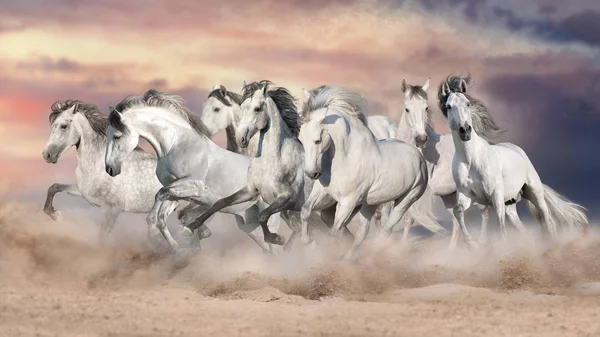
94,190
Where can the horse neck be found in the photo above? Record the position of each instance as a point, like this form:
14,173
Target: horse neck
163,130
344,138
91,149
404,131
470,151
231,129
275,133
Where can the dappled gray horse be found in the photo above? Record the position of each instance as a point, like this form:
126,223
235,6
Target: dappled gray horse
79,124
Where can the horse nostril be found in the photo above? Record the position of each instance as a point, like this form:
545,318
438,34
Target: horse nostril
469,128
462,130
108,170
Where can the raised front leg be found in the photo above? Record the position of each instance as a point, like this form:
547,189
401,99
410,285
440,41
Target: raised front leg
109,217
283,202
463,203
71,189
165,203
243,195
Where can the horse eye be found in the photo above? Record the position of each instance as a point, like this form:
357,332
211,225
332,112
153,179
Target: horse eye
406,110
116,137
427,109
448,106
468,103
257,109
217,109
64,126
318,142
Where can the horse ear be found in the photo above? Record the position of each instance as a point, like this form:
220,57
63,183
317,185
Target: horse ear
306,93
216,86
222,90
404,86
445,89
264,89
75,108
112,108
426,85
463,86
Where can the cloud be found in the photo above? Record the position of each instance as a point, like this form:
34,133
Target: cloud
47,64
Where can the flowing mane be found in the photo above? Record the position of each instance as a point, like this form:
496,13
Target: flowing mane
91,112
345,101
282,98
234,97
153,98
483,122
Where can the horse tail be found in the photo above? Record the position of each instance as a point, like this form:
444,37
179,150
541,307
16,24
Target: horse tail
562,211
422,212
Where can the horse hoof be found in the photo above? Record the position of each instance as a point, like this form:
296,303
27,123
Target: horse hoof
53,214
306,240
187,231
204,233
275,239
473,246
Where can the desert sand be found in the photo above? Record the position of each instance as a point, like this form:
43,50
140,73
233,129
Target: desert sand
55,280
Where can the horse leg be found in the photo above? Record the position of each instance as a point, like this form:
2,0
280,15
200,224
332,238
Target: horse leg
244,225
449,202
292,219
408,222
245,194
328,217
346,209
109,217
282,202
462,204
401,206
367,213
535,194
71,189
500,209
318,199
386,210
513,217
485,216
377,218
165,203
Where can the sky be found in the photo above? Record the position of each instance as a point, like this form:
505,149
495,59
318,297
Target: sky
536,64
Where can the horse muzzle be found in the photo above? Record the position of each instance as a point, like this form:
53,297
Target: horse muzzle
49,158
464,133
421,140
113,172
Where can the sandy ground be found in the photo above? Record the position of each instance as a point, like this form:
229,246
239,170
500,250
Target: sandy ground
56,281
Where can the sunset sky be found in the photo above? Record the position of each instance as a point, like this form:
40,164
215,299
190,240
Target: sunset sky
536,64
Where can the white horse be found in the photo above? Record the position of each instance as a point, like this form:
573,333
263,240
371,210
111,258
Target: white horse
498,175
415,128
383,128
221,111
190,166
353,167
79,124
276,173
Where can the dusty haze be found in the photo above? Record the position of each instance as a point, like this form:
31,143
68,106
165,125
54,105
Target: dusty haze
56,281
